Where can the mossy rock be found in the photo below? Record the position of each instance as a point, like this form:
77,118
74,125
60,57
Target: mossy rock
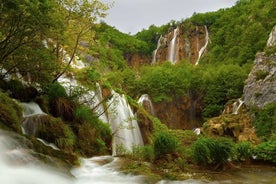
56,131
10,113
90,142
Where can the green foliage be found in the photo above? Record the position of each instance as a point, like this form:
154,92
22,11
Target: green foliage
94,136
55,90
210,151
164,143
265,121
243,151
151,35
225,82
56,131
237,33
10,113
267,151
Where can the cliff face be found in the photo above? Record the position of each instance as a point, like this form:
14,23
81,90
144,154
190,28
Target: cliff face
181,44
260,87
180,113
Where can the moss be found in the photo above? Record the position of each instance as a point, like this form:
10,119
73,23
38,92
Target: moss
61,158
10,113
56,131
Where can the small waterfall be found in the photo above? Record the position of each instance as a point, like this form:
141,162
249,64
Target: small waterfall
32,115
172,47
156,50
145,102
123,124
201,51
236,106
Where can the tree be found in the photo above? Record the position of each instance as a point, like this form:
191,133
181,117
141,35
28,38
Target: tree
24,24
78,19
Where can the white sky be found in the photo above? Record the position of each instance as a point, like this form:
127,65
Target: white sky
131,16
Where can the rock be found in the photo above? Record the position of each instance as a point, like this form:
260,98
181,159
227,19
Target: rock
231,125
271,42
260,87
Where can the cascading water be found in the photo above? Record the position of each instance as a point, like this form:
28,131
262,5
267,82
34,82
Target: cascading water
201,51
145,102
237,105
123,124
172,47
118,114
32,115
156,50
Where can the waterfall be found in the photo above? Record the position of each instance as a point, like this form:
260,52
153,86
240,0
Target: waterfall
201,51
156,50
237,106
32,115
123,124
145,102
172,49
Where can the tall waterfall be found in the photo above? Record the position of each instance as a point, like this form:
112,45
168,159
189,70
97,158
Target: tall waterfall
123,124
119,115
156,50
201,51
172,47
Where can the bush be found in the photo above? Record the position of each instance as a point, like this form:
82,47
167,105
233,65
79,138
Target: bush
266,151
265,121
243,151
212,151
164,143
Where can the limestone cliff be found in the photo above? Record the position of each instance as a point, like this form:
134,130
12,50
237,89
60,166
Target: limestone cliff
178,44
180,113
187,45
260,87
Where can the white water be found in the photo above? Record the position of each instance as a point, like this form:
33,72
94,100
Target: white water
201,51
156,50
145,102
101,170
123,124
17,166
237,106
172,50
32,114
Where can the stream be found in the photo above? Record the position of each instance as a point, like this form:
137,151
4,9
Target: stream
18,166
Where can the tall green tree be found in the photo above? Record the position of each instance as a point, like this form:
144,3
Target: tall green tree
24,24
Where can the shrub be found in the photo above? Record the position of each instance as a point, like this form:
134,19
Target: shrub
212,151
266,151
243,151
265,121
164,143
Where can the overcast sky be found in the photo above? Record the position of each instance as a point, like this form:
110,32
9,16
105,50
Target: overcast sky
131,16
